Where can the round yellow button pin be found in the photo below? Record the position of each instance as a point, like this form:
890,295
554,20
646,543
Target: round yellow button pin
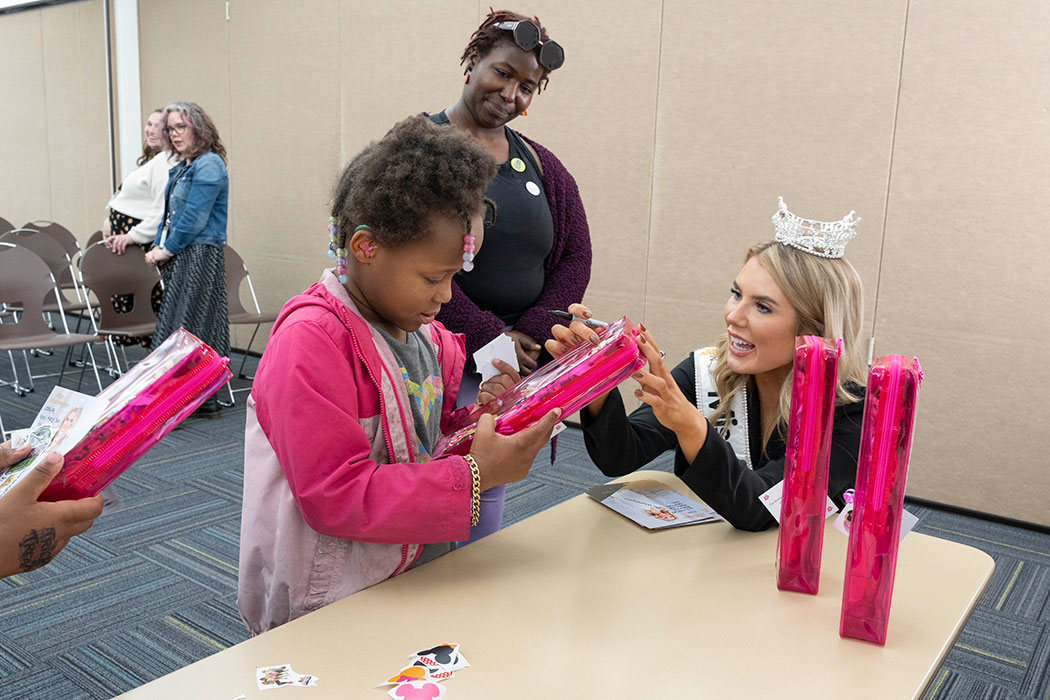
518,164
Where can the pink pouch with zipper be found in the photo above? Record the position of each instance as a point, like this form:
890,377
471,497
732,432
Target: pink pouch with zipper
569,383
874,535
142,406
802,506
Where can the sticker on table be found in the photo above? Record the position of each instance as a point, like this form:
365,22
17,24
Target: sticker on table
444,657
413,672
270,677
418,690
533,188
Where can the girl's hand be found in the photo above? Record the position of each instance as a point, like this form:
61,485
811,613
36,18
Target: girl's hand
494,387
107,229
526,349
670,406
505,458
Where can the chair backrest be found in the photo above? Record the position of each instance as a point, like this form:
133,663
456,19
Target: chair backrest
60,233
93,239
236,273
25,281
5,225
108,275
45,246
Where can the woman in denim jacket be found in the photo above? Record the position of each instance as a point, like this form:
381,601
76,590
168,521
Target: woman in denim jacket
191,237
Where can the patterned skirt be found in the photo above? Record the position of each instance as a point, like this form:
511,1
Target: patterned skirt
120,224
195,297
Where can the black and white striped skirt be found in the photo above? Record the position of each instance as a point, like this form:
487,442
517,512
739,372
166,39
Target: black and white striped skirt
195,297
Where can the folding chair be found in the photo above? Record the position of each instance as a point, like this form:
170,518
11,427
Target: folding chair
25,282
53,252
108,275
5,226
236,273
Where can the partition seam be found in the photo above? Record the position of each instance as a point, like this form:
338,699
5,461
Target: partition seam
229,110
652,164
889,174
47,130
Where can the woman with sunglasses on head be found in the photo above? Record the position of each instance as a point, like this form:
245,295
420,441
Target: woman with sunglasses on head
724,410
537,253
190,239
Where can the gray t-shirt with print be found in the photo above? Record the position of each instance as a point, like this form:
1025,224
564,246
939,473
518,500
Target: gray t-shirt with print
421,373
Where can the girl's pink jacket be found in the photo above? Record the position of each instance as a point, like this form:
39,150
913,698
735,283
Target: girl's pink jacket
334,497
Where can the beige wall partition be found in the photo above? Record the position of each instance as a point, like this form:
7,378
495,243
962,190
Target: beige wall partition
682,122
756,100
54,154
966,272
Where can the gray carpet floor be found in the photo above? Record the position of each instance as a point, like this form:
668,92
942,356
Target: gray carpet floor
152,586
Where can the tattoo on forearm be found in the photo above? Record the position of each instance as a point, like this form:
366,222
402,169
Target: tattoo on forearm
37,548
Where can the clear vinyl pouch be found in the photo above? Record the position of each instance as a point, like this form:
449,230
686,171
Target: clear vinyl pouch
874,536
802,507
569,383
141,407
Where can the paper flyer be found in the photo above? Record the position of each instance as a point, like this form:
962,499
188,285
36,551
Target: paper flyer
66,417
652,505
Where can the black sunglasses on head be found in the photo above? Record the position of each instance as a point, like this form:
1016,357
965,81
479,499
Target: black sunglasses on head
527,37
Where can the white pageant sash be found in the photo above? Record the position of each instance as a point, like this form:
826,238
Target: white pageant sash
736,432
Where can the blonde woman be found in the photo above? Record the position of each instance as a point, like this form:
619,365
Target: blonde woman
136,208
723,410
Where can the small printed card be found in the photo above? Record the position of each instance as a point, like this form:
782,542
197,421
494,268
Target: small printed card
500,348
651,504
845,519
66,417
771,500
270,677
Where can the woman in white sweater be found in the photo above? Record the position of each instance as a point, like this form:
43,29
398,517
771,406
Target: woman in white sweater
136,209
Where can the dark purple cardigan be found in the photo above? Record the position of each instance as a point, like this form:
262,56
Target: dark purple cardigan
567,268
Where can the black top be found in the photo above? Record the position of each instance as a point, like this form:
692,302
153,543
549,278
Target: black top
508,273
619,444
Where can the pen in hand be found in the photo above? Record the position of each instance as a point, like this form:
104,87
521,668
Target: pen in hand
566,316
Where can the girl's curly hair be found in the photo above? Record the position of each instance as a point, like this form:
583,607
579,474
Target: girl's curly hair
419,169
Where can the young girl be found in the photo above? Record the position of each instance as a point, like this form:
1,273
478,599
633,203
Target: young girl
357,382
724,410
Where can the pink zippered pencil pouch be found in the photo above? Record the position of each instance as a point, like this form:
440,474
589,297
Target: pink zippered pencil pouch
569,382
143,406
882,469
802,506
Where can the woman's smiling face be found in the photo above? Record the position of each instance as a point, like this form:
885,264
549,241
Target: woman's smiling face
501,85
761,322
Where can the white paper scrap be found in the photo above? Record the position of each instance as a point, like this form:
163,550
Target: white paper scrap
771,500
500,348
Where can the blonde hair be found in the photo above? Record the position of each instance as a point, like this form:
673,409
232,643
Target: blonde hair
828,298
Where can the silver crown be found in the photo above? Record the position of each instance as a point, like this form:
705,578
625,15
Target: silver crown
827,239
